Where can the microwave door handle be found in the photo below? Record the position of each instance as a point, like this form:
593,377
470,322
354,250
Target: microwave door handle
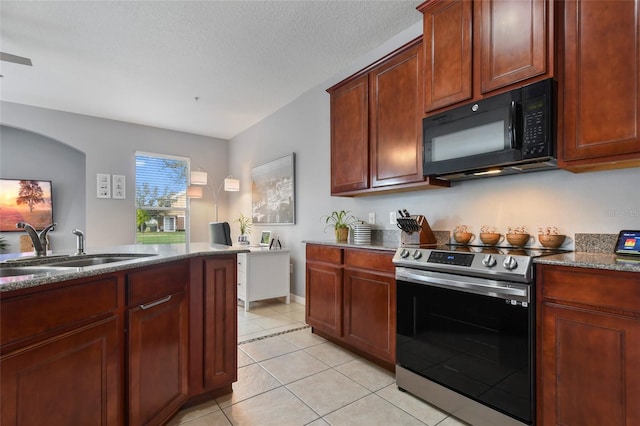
512,125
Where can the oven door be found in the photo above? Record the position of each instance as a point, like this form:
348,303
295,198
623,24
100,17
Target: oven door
471,335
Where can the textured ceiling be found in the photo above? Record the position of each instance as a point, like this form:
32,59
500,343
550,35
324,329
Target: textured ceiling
145,62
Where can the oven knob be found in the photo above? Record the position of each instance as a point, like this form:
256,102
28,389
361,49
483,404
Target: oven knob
417,254
510,263
404,253
489,261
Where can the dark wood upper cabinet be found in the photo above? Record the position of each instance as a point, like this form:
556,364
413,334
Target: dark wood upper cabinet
350,136
376,127
600,97
395,138
513,39
475,49
447,53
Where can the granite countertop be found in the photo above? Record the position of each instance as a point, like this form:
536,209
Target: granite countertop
372,246
160,253
608,261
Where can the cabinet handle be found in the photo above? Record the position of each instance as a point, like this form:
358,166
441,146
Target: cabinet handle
156,303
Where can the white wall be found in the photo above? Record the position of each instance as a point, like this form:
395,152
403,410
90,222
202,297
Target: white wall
109,147
602,202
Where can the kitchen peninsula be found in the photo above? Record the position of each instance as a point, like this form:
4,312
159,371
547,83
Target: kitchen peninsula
127,342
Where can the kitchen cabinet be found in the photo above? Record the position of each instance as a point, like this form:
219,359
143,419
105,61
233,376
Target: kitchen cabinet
351,299
125,347
323,310
263,274
370,303
64,341
376,127
213,326
588,346
157,372
599,108
475,49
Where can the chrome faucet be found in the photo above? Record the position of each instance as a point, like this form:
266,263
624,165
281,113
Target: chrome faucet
38,239
78,233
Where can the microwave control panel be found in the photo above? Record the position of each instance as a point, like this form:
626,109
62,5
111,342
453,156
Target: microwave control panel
537,120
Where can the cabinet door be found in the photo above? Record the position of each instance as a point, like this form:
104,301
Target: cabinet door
512,41
73,378
219,323
601,113
589,368
447,53
324,297
370,313
157,371
350,136
395,137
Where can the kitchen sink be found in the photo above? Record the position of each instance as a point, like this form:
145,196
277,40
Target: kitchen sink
18,271
98,259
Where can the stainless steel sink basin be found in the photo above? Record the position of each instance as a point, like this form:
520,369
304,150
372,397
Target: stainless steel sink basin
18,271
98,259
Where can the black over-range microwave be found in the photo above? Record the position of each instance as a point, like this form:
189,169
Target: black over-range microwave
509,133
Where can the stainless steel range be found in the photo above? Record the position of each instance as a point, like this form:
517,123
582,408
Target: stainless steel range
465,331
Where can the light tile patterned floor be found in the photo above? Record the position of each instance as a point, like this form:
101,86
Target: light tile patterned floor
298,378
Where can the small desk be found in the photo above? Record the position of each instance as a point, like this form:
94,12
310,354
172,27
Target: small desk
263,274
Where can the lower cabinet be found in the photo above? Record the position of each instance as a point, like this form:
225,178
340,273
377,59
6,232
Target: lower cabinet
324,289
351,299
130,347
588,347
60,355
213,327
70,378
158,339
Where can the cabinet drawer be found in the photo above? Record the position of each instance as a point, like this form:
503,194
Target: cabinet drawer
47,311
618,290
370,260
151,284
324,254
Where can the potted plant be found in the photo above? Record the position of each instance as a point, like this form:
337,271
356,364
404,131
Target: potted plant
340,221
245,228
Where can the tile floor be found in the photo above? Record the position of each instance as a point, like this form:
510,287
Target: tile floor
298,378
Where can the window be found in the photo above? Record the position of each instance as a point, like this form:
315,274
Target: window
161,198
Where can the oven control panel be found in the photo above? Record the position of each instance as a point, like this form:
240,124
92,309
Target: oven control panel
492,265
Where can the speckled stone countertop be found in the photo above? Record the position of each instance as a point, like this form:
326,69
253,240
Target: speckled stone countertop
591,260
591,250
160,253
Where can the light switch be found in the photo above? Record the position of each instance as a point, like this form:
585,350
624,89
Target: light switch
119,183
104,185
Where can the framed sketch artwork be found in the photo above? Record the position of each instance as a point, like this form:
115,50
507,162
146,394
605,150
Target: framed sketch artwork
273,192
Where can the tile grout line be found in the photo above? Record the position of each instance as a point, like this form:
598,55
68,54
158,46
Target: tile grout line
273,334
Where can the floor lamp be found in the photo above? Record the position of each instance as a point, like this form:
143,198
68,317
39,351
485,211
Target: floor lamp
199,181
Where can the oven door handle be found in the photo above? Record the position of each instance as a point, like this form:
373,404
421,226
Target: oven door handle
482,286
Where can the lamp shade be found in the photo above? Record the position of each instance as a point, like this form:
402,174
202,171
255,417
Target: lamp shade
194,192
231,185
198,178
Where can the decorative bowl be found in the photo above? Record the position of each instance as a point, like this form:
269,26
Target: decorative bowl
491,238
551,241
463,237
518,240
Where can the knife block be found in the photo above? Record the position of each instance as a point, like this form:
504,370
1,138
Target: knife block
424,236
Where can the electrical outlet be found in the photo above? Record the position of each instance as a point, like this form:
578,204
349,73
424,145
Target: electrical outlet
392,218
372,218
